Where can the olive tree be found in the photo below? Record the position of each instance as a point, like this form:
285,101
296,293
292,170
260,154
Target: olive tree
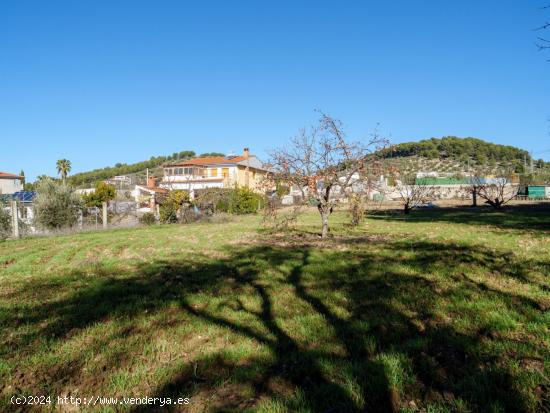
5,222
56,205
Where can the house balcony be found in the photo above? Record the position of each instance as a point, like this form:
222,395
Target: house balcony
195,182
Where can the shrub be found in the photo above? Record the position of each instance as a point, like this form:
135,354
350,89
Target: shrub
56,205
232,201
103,193
244,201
171,207
148,218
5,222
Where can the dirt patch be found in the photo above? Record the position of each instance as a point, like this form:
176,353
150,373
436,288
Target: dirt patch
7,263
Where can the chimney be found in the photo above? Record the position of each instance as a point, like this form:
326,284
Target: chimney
151,182
246,153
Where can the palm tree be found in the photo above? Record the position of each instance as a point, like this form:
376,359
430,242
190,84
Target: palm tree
63,168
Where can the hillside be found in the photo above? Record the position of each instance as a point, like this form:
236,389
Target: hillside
448,155
460,149
136,170
459,156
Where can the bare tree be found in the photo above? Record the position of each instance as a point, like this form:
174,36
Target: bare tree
542,42
323,165
496,192
414,195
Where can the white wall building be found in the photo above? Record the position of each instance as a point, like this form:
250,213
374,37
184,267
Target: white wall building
10,183
245,170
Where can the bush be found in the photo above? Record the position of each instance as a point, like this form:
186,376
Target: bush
171,208
244,201
103,193
148,219
56,205
226,200
5,223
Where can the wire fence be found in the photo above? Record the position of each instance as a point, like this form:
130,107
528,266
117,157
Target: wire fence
17,219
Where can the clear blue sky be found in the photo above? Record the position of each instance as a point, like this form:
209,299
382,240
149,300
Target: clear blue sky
100,82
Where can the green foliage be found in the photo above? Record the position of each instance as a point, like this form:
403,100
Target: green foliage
282,189
63,168
103,193
172,205
447,308
243,201
56,205
147,218
87,178
207,154
246,202
458,148
5,222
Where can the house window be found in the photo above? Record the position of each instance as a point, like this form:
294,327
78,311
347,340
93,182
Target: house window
225,172
168,172
178,171
214,172
188,171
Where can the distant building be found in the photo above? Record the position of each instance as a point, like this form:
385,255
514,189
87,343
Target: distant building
119,180
149,196
215,172
10,183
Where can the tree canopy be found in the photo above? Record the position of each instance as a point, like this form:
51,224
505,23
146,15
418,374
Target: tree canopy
100,174
458,148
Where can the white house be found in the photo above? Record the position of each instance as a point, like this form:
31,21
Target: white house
10,183
215,172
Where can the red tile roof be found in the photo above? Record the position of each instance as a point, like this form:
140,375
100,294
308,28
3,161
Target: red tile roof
212,160
8,175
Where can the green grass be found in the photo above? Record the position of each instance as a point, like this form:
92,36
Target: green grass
441,311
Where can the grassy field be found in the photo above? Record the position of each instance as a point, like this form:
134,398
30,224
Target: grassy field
441,311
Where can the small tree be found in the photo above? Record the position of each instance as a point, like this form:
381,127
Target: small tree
5,222
496,192
323,164
56,205
413,195
356,208
171,210
103,193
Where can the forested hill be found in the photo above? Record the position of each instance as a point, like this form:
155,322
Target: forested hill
460,149
91,177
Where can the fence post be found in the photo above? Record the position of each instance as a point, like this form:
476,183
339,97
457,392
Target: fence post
105,215
15,219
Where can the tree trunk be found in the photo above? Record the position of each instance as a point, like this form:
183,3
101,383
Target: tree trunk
474,197
325,213
324,232
407,209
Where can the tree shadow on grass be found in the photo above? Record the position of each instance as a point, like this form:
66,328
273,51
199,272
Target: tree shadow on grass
532,218
387,314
